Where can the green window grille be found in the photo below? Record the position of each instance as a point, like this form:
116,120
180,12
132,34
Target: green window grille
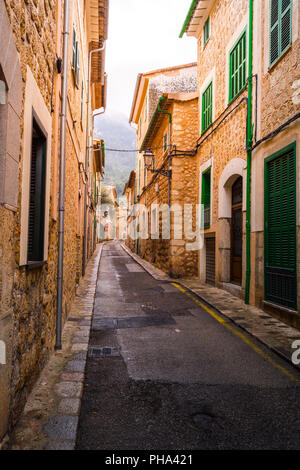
206,31
165,142
207,107
280,27
237,67
205,196
280,228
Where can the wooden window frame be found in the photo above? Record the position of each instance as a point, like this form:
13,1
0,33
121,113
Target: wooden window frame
238,68
206,32
37,192
207,109
267,265
278,24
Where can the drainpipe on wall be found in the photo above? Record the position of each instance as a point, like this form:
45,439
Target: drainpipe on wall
84,247
249,156
60,263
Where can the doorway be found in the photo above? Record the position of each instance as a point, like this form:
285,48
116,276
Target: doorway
236,232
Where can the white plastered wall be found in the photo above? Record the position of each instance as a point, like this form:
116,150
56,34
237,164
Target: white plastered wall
236,167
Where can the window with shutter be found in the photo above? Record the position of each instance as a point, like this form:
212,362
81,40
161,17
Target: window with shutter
206,31
207,107
165,142
35,251
205,196
74,50
81,101
237,67
280,27
77,64
280,228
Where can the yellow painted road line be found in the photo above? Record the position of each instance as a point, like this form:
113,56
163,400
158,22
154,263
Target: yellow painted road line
238,334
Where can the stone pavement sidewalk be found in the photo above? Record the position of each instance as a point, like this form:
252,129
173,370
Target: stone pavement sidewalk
273,333
50,418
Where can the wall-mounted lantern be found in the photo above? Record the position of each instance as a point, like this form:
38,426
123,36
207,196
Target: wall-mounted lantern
149,162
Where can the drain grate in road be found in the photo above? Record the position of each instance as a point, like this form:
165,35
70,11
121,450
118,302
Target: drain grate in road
104,351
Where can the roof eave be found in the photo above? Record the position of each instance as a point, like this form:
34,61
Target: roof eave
188,17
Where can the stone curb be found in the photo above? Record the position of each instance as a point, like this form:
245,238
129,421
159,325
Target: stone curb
264,336
51,415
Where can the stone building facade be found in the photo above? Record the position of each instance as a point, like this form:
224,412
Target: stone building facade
225,53
30,86
165,105
130,193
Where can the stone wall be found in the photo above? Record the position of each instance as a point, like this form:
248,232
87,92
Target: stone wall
228,19
28,297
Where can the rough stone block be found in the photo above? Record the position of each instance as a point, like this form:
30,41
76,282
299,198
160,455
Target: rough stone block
62,427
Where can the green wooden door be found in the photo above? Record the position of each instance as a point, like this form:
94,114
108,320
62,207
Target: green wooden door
280,228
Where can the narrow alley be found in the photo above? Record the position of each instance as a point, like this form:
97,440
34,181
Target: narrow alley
162,373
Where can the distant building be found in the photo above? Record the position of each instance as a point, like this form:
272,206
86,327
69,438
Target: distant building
165,108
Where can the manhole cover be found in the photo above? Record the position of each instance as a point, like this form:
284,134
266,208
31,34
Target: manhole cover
104,351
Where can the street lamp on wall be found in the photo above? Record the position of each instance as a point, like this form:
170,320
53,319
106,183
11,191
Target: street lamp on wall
149,162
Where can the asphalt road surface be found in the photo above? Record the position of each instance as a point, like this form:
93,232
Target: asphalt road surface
163,373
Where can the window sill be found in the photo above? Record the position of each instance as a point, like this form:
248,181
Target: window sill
205,44
35,264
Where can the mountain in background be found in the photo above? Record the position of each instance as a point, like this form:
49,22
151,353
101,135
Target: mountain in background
114,128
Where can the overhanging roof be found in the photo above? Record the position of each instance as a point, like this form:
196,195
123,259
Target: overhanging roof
196,16
142,85
97,20
130,182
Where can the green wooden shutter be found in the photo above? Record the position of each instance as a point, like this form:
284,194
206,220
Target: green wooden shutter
280,27
280,228
237,67
286,24
207,107
206,31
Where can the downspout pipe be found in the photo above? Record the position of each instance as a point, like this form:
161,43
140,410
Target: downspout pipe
249,155
62,178
87,156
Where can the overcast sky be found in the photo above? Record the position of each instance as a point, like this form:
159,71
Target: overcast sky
143,36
